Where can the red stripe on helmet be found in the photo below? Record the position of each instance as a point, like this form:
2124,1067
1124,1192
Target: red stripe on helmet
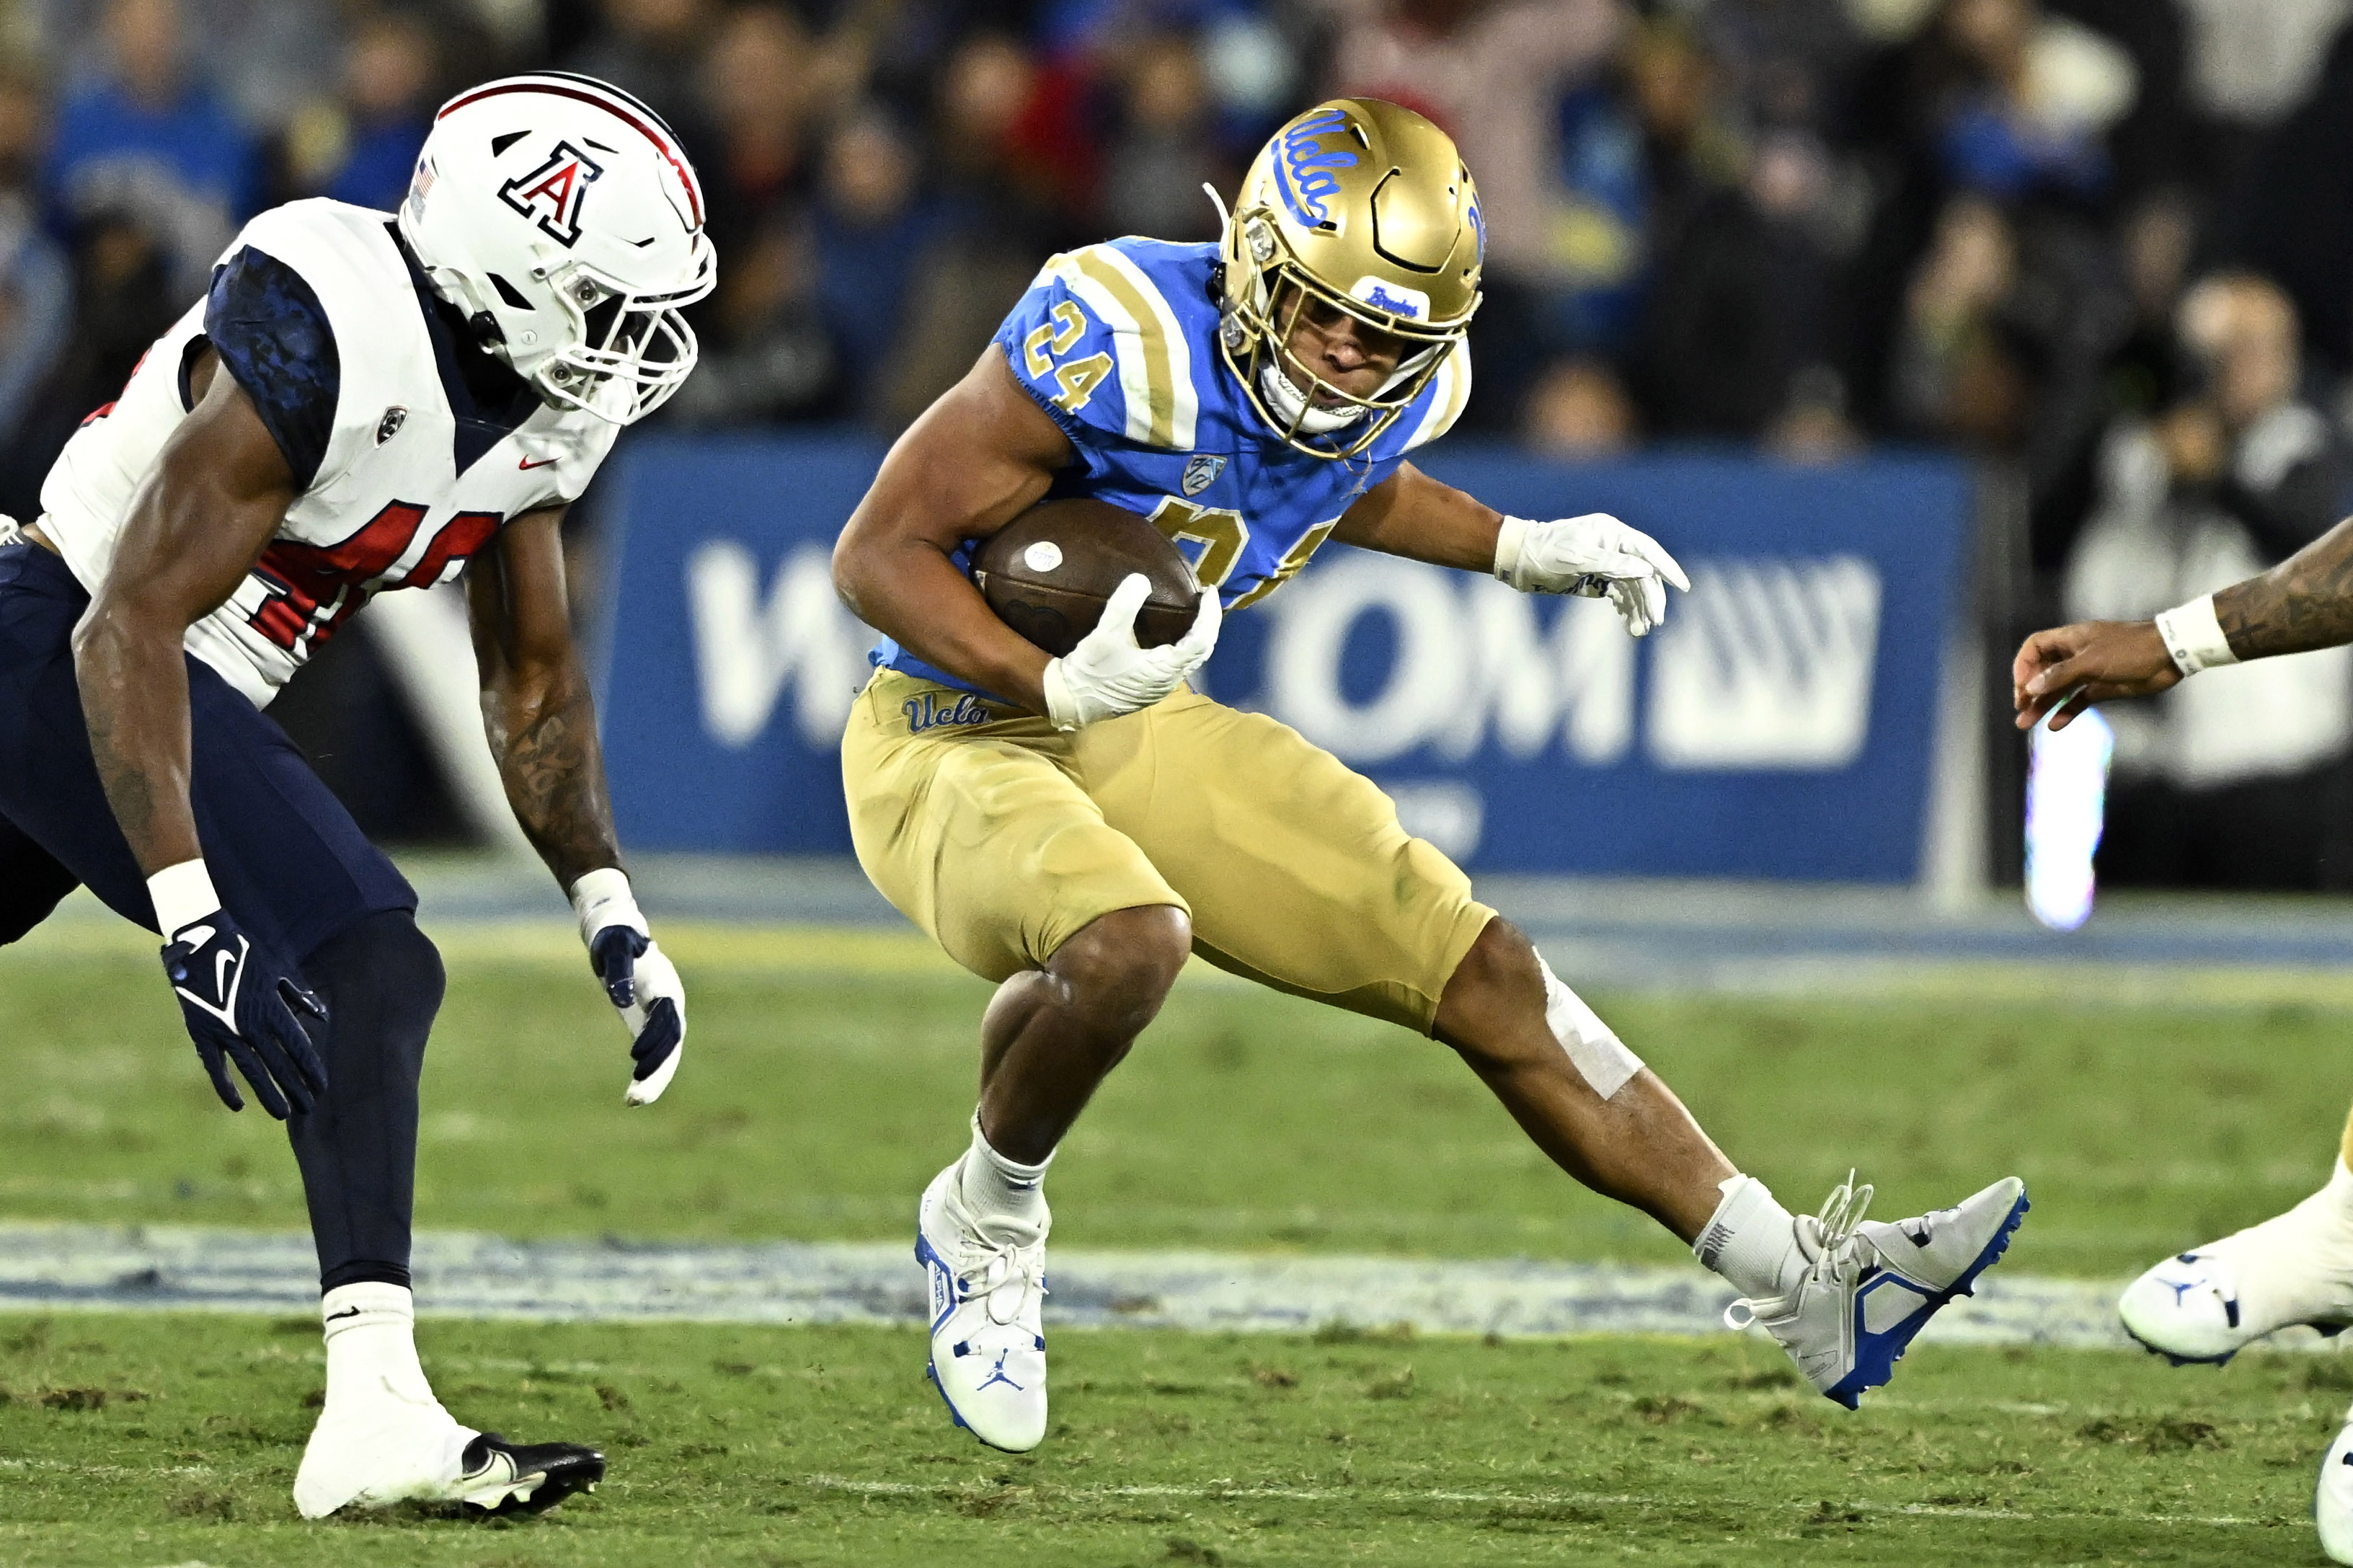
676,159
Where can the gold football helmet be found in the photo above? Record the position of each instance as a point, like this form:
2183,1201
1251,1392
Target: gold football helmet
1366,207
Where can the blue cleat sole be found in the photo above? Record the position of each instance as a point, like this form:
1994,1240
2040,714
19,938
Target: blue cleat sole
1876,1354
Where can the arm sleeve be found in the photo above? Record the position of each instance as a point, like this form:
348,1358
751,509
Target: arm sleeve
272,334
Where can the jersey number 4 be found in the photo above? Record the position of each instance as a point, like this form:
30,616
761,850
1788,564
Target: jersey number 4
313,589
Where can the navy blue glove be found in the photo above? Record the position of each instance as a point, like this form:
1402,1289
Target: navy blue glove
638,978
628,961
242,1005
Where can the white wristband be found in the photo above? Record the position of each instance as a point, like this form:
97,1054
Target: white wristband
1508,542
2194,636
1061,705
183,895
602,899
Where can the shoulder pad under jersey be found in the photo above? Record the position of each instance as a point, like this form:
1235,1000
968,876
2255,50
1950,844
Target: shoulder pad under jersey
313,310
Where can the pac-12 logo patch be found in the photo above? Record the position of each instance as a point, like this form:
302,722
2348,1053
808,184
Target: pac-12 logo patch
389,426
552,193
1201,471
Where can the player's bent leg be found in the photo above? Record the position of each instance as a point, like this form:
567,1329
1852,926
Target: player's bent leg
977,828
2209,1303
31,883
382,1438
1844,1296
1582,1097
382,983
1052,1034
1049,1037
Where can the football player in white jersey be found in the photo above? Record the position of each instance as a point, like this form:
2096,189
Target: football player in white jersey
2211,1302
362,402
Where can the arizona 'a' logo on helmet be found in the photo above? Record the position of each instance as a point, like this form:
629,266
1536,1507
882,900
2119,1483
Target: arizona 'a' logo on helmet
562,216
553,193
1366,207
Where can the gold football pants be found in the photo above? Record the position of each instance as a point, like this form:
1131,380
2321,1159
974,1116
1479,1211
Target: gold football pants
1002,838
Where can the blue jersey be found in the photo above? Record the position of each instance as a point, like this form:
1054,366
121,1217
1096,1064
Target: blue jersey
1118,343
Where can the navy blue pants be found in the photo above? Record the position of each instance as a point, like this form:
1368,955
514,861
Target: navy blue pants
288,860
288,863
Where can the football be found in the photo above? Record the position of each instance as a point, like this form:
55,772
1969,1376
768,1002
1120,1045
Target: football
1048,572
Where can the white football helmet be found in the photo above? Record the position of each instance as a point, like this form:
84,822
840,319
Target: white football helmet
562,216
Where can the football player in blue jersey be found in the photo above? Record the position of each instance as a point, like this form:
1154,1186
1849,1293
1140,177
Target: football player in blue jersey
361,403
1084,824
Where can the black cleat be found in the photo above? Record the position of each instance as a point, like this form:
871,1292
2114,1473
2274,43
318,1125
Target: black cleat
504,1478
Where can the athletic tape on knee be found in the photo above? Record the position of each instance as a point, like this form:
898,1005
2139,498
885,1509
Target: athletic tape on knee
1592,1045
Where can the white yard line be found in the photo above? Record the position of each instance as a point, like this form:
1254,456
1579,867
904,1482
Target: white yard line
1222,1492
50,1267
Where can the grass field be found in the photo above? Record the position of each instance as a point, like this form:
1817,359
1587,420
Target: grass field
829,1077
145,1440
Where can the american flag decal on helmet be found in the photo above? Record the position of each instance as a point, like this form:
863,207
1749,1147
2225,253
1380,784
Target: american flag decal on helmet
553,193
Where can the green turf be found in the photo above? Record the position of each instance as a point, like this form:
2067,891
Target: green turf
147,1440
817,1104
829,1075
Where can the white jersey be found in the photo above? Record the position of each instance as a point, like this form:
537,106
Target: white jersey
356,372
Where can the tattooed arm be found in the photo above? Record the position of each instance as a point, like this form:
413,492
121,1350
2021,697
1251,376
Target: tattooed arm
2303,603
216,494
536,708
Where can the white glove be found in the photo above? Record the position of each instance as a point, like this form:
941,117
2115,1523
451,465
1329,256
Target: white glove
1591,557
1107,675
640,981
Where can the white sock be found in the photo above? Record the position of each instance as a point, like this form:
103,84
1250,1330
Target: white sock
1751,1240
372,1346
994,1187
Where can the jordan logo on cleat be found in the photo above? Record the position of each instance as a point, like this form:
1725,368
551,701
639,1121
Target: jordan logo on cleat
2180,1287
997,1375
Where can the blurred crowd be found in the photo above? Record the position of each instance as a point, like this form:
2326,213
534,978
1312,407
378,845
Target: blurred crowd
1807,223
2107,244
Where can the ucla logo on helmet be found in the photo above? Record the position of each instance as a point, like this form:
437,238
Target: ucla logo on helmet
553,193
1411,304
1304,168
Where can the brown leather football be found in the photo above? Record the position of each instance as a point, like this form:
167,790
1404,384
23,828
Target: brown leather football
1048,572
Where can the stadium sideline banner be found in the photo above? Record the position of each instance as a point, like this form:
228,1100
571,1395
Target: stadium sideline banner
1778,726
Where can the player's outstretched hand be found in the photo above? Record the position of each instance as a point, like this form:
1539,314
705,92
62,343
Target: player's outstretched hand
243,1004
2064,670
638,978
1108,675
1594,556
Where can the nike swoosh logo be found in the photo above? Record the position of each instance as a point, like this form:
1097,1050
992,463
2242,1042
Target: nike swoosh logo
527,464
346,1312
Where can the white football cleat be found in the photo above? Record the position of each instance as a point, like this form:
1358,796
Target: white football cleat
989,1290
2208,1304
2332,1500
1870,1286
397,1448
